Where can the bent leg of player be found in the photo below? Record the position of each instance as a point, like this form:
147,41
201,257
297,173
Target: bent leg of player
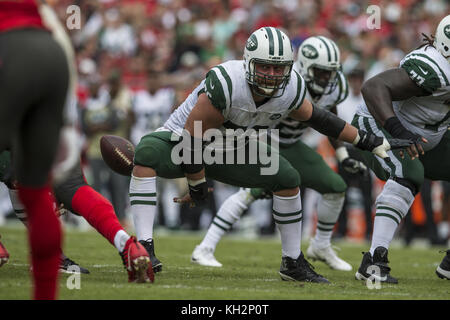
67,265
80,198
229,212
436,163
153,156
317,175
287,209
404,178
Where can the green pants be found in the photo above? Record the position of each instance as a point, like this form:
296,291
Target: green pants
313,170
155,149
434,164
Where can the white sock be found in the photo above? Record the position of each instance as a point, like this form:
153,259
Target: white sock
120,239
229,212
392,205
143,205
287,213
328,212
383,232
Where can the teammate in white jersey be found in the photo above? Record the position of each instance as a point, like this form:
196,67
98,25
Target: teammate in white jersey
318,61
409,102
248,94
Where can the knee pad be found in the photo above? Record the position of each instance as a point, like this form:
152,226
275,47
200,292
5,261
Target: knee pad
395,197
329,209
334,198
408,184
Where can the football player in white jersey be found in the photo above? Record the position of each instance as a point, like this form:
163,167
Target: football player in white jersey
318,62
409,102
247,94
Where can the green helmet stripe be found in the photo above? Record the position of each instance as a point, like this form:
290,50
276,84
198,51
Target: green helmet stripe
280,43
335,51
326,46
270,35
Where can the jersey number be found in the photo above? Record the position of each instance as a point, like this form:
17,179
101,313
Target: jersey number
416,77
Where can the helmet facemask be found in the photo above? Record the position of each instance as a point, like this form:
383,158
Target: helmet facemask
318,62
268,61
270,86
321,79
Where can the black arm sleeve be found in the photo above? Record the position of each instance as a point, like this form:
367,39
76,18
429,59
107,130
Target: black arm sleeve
326,122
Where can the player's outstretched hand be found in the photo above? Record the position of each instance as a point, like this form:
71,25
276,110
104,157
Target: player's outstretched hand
187,199
412,146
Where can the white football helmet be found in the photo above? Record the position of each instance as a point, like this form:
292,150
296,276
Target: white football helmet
318,61
268,45
442,38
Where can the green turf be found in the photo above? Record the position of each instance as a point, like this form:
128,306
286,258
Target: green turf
250,272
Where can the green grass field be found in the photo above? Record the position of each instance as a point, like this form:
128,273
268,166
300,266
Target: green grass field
250,272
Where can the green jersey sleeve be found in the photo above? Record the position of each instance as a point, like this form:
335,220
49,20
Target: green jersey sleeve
424,72
301,92
218,88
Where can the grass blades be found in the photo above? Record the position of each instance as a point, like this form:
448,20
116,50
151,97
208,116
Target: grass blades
250,272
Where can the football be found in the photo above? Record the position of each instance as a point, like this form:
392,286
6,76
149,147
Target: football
118,154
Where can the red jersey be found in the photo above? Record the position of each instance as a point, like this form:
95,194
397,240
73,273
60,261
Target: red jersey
19,14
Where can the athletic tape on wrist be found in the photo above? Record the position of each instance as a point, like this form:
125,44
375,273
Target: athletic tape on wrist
341,153
194,183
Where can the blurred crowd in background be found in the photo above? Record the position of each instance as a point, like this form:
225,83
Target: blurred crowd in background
139,59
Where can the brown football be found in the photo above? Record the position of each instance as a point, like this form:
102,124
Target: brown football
118,154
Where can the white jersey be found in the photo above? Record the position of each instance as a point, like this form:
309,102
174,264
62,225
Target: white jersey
151,111
427,116
228,90
291,130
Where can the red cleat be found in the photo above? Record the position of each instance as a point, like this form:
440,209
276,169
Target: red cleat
4,255
137,262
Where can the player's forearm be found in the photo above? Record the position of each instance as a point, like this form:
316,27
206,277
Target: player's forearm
390,85
378,99
349,134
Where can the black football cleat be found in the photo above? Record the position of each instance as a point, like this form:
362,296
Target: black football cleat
299,270
380,262
443,270
69,266
150,247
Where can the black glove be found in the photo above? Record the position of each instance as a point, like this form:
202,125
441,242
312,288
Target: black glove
353,166
397,130
400,143
198,192
349,164
368,141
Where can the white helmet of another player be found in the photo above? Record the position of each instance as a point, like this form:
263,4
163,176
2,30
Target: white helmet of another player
268,46
442,38
318,61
